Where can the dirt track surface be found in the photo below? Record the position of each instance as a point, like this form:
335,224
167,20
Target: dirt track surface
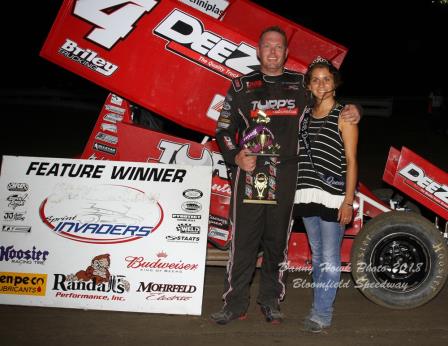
357,321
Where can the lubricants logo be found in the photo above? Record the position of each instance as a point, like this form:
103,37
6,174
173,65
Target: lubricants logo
104,214
29,284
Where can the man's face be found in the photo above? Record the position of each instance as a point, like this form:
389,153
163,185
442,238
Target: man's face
272,53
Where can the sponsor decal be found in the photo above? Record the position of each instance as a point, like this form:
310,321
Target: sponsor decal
113,118
14,216
27,284
89,58
220,234
185,36
106,138
16,200
21,256
160,264
192,194
18,187
18,229
214,110
116,100
228,142
274,107
214,8
165,287
115,109
109,127
188,228
431,188
182,239
254,84
166,291
191,206
222,189
186,217
104,148
92,282
218,221
104,214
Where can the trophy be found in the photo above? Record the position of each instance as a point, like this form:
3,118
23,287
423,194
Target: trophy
261,183
260,138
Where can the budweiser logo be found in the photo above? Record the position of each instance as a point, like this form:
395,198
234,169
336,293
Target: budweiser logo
139,262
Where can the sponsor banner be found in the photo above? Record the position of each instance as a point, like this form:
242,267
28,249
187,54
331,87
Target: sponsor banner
103,234
170,57
159,147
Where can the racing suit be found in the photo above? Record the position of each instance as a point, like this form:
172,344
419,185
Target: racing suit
262,227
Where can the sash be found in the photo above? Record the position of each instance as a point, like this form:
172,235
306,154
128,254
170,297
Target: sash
305,136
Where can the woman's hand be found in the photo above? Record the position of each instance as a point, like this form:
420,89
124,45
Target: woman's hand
345,213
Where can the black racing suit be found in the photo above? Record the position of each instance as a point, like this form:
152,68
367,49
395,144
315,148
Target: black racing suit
258,227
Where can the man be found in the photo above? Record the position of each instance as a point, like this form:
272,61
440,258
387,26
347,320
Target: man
275,97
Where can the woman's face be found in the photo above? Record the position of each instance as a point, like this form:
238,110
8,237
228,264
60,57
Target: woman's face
322,83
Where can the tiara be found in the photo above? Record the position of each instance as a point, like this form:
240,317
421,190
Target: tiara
319,60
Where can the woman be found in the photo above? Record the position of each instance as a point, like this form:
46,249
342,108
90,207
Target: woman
325,186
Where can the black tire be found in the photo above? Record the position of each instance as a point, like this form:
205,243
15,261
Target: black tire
388,195
399,260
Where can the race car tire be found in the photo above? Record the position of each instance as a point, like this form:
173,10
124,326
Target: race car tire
399,260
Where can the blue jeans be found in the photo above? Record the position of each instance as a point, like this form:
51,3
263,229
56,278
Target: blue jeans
325,242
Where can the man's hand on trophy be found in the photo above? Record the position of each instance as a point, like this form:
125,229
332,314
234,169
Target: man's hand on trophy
244,161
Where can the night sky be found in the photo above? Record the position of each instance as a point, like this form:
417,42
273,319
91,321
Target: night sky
395,47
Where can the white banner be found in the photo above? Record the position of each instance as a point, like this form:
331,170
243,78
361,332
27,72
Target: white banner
103,234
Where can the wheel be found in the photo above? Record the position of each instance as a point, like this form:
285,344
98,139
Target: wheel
396,201
399,260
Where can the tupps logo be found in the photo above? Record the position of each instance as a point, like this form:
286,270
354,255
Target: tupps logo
30,284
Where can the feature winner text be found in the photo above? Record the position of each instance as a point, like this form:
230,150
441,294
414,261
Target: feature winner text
96,171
